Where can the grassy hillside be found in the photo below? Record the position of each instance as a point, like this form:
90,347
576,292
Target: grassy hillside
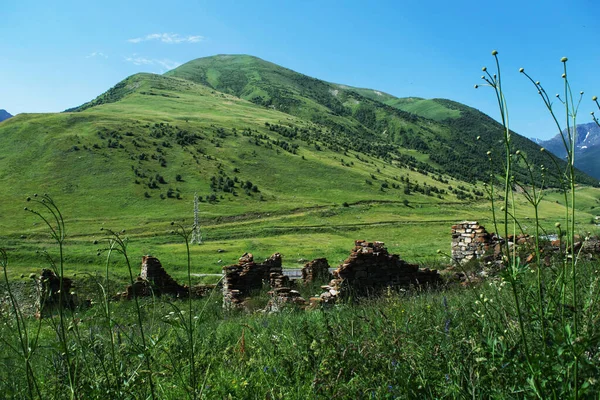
269,181
445,132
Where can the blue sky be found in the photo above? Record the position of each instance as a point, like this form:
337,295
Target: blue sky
60,54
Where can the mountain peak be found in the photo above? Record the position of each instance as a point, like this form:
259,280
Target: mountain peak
4,115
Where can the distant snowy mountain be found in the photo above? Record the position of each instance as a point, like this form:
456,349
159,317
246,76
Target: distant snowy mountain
587,147
4,115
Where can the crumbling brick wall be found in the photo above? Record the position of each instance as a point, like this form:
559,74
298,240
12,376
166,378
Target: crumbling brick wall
370,268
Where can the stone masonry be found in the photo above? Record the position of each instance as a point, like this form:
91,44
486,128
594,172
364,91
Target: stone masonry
162,283
247,276
316,271
470,241
370,268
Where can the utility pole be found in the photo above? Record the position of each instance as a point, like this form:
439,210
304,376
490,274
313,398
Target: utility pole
196,234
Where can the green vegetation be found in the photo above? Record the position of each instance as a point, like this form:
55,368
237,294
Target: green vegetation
302,168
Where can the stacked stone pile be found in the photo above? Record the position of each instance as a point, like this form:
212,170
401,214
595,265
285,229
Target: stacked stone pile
49,293
370,268
316,271
277,280
469,241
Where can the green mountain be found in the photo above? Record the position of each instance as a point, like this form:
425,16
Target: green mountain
445,133
269,151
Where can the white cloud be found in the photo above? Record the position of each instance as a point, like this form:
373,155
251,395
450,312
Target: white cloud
170,38
136,60
96,54
164,63
168,64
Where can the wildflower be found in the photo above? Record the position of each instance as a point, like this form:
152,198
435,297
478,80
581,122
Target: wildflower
484,69
32,276
557,225
594,98
494,52
476,86
564,59
478,137
564,75
542,149
521,70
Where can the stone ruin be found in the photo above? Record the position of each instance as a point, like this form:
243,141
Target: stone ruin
246,277
316,271
155,281
369,269
471,241
49,293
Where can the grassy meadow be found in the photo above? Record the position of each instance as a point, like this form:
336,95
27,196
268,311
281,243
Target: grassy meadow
290,164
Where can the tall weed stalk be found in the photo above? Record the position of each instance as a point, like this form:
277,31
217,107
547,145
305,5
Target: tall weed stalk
52,217
119,245
28,341
186,234
552,332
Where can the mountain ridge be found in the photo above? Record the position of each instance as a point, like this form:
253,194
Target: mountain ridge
587,147
4,115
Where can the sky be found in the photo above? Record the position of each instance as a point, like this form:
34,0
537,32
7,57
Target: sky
60,54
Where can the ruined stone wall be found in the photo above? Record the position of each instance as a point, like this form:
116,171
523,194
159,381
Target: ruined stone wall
370,268
471,240
162,283
242,279
316,271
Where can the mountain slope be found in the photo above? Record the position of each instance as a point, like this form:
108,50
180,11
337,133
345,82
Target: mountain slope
165,138
4,115
444,133
587,144
268,180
